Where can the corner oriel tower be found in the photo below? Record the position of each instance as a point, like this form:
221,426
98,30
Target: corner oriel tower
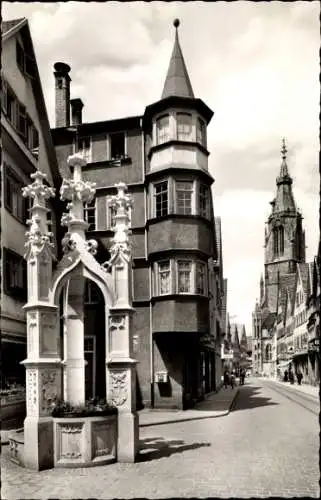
180,237
284,236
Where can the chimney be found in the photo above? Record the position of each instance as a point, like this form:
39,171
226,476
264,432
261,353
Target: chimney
62,90
76,111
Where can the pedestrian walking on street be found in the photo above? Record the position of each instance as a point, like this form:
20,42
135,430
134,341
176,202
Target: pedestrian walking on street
291,377
242,376
285,378
226,379
232,379
299,376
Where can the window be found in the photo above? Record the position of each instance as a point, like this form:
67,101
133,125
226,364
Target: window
184,276
22,120
203,201
32,138
164,278
15,274
268,352
184,191
161,198
90,214
20,56
92,293
84,147
200,278
117,146
162,129
201,132
278,240
15,203
11,107
184,126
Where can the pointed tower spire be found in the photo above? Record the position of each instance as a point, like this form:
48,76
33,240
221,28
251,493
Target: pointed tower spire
177,81
284,201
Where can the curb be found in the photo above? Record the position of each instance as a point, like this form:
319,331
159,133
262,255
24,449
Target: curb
233,402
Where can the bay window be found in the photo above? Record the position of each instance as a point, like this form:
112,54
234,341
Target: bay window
184,126
162,129
184,192
201,132
164,278
184,276
203,200
161,199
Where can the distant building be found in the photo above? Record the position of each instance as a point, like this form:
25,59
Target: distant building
178,283
280,318
26,146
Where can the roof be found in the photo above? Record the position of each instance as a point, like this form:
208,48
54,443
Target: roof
7,26
287,289
22,25
177,81
303,269
284,200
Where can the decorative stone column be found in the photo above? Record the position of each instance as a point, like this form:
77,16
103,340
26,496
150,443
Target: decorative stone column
77,192
43,366
121,367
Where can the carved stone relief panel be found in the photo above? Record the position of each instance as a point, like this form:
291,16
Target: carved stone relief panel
103,439
49,389
119,389
32,391
71,441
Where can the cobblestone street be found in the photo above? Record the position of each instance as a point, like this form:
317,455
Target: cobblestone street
267,446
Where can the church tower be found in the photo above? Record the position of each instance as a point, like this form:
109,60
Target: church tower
284,236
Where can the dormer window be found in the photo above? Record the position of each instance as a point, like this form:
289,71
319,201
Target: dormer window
162,129
184,126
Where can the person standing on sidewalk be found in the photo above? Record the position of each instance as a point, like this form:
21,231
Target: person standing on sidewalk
232,379
291,377
299,376
226,379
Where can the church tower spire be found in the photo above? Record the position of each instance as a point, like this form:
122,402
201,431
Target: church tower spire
284,236
177,83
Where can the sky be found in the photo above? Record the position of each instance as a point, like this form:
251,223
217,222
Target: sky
255,64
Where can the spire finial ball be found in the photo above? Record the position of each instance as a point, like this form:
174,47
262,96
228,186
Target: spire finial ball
176,23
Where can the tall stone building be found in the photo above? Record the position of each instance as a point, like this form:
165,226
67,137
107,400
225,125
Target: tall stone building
284,250
26,146
162,156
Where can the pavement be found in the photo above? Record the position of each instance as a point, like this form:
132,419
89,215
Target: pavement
310,390
265,445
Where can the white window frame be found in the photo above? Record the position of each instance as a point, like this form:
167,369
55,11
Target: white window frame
205,281
192,276
158,280
109,145
92,208
165,137
155,198
192,191
207,200
200,139
183,135
87,152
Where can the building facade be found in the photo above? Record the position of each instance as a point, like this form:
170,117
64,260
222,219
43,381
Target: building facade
26,145
178,290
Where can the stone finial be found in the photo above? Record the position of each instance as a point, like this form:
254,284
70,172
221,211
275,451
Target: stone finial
121,203
77,192
38,190
38,234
